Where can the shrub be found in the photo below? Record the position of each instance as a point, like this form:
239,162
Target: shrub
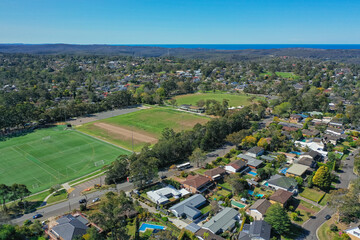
165,219
82,207
333,228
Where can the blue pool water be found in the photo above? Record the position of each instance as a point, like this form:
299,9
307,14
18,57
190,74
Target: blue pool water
297,153
251,192
283,171
266,184
145,226
252,173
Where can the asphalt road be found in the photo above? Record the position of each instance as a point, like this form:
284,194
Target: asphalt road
346,176
69,205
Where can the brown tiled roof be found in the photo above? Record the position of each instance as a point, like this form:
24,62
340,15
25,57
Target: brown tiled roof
214,172
261,205
211,236
237,164
281,196
196,181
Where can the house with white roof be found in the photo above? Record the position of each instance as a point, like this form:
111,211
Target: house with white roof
162,195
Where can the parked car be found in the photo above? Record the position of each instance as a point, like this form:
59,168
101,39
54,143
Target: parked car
163,177
327,217
82,201
37,216
96,200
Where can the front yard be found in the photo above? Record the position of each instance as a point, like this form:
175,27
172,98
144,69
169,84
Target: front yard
312,194
306,210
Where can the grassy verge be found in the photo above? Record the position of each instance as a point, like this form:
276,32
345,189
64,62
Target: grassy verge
90,176
324,200
60,195
323,232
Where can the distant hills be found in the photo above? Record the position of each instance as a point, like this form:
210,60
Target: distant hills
343,55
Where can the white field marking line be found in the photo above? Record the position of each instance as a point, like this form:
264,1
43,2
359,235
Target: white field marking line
36,163
40,160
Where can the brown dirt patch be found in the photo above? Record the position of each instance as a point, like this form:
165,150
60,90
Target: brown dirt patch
306,209
126,134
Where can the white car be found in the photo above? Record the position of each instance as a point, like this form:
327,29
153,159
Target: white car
96,200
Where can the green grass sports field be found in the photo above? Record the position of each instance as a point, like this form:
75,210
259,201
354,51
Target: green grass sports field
141,127
234,99
52,156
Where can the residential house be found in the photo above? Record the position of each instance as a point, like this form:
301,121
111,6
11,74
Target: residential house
257,230
296,170
281,182
197,183
161,196
69,227
255,151
315,145
210,236
315,155
333,139
189,207
334,131
295,118
223,221
336,123
259,208
215,173
310,132
251,161
309,162
281,196
354,233
235,166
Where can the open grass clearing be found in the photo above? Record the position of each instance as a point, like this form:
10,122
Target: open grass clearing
51,156
234,99
136,129
282,74
312,194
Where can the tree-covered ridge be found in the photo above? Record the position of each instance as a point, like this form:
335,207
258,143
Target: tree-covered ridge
50,88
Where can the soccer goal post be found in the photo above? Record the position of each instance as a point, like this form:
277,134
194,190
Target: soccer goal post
99,163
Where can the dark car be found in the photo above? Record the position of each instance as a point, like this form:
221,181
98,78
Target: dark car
163,177
37,216
82,200
327,217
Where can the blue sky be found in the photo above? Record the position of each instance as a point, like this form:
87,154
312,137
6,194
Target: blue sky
180,22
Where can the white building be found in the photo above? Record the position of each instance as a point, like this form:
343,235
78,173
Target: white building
162,195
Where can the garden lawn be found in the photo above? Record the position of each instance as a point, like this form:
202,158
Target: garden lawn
136,129
205,208
51,156
223,192
234,99
312,194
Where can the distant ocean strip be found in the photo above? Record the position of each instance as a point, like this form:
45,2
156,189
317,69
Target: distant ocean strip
249,46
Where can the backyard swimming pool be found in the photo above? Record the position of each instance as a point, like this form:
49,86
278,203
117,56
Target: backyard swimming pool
252,173
145,226
237,204
283,171
251,192
297,153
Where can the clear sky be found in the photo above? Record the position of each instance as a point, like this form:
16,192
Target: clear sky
180,21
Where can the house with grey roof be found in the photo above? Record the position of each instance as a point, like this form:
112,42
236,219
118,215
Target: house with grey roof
223,221
255,151
68,227
281,182
189,207
251,161
259,208
257,230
